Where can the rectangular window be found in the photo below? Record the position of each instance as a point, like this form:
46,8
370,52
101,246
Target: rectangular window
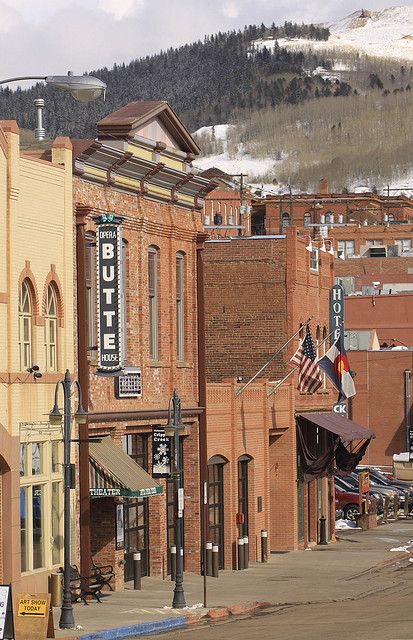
50,344
314,260
37,449
57,457
345,248
180,311
57,522
404,244
24,547
374,243
90,268
38,525
153,302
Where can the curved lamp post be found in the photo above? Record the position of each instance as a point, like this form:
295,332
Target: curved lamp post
82,88
67,620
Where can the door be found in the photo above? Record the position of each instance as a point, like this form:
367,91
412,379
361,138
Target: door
136,510
216,508
243,494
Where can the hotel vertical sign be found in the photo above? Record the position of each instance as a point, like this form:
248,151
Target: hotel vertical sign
336,313
109,283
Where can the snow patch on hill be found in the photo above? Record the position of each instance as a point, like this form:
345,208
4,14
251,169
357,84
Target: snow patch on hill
385,34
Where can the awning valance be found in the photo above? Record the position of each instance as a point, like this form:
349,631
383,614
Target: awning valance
113,473
346,429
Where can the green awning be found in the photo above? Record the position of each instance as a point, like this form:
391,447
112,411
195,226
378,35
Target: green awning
113,473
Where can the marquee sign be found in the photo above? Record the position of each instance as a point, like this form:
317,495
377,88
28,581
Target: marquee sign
109,283
336,313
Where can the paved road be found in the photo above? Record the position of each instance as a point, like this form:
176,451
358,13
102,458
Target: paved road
381,615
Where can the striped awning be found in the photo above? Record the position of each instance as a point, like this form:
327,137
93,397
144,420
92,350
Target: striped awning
113,473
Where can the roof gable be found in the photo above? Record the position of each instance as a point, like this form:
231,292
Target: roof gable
153,120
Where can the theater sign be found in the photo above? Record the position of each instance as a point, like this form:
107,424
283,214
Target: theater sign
109,283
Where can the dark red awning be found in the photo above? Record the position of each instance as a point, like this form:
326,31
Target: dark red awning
343,427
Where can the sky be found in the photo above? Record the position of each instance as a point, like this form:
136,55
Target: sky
46,37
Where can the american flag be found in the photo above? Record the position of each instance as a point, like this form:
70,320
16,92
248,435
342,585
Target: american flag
309,374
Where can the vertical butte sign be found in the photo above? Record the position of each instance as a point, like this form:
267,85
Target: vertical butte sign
109,283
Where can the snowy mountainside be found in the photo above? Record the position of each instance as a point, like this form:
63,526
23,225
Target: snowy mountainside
386,34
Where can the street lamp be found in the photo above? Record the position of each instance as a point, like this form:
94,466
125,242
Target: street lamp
66,617
82,88
173,428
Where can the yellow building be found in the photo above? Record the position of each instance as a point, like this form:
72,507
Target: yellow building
36,330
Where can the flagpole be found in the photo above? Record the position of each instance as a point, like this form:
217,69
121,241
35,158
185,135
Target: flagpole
290,373
274,355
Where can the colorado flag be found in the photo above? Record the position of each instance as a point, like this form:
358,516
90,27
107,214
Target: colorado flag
335,365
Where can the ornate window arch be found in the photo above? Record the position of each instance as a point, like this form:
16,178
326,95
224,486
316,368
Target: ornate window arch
307,219
285,221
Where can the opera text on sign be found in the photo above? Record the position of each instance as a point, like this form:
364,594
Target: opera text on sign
109,294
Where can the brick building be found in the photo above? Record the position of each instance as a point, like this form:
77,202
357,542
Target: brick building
309,211
258,290
139,168
380,405
37,345
227,209
390,315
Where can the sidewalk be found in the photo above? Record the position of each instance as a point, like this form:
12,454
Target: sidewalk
348,569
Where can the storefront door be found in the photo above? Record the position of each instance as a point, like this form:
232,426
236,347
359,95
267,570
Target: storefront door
136,510
243,494
216,507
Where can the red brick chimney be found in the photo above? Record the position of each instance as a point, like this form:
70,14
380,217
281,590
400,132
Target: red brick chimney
323,186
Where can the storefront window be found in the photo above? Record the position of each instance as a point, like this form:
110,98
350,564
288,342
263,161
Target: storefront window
23,529
41,504
38,525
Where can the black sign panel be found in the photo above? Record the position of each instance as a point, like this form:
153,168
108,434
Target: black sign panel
336,313
410,436
109,282
161,454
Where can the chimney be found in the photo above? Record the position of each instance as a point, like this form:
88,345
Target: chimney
323,186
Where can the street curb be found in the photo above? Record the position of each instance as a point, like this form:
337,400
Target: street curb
141,629
186,620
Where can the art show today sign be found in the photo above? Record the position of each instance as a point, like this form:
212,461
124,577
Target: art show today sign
109,283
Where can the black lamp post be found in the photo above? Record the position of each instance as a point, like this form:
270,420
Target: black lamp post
67,620
173,429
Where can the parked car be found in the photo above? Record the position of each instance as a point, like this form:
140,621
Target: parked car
347,499
353,480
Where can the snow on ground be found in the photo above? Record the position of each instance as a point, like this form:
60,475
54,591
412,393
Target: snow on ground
342,525
387,33
408,547
255,168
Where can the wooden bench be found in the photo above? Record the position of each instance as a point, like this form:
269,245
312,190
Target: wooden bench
82,586
103,574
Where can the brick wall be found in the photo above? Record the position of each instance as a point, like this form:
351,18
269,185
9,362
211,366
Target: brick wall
373,266
379,402
390,315
258,291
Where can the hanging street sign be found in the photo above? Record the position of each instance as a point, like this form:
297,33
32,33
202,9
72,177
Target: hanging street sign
161,454
109,285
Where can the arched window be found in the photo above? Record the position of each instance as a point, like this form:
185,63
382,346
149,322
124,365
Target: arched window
25,325
285,221
153,265
328,218
307,219
50,328
391,217
180,308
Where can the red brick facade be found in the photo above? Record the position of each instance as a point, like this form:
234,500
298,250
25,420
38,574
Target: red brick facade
389,315
257,292
379,402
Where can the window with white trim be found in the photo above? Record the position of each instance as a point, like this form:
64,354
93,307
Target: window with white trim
50,328
314,260
25,325
404,244
180,306
345,248
153,260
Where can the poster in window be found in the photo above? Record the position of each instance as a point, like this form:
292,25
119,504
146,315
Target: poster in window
120,526
161,454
